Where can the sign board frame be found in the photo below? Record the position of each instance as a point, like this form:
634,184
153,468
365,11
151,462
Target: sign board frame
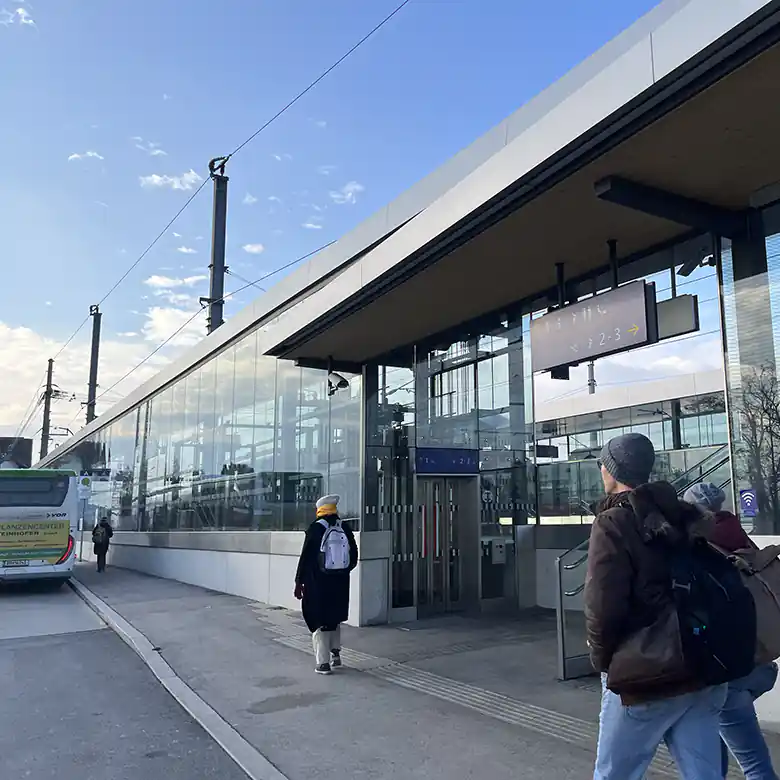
612,322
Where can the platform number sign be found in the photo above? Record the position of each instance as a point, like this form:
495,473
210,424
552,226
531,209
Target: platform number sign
748,502
605,324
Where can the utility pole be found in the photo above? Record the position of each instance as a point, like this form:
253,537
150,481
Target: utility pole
591,378
94,312
219,229
47,394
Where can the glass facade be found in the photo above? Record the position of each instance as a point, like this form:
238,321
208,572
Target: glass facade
687,433
244,442
750,278
467,400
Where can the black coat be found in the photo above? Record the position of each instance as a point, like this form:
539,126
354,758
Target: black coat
325,593
103,548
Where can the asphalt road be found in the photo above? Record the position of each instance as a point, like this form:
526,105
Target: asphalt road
78,704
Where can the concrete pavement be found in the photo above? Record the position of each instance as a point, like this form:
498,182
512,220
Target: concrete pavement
78,704
446,698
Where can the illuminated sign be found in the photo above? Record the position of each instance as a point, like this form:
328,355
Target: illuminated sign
605,324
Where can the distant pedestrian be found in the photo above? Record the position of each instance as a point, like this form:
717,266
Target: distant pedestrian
739,727
650,572
328,556
101,539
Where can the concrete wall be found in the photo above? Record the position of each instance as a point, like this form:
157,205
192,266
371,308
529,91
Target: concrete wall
268,577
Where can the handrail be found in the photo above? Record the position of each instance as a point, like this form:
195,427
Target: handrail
577,563
576,591
704,475
698,465
584,545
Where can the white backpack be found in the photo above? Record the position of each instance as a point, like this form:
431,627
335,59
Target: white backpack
334,548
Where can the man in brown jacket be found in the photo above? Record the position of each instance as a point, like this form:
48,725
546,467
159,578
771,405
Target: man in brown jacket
628,587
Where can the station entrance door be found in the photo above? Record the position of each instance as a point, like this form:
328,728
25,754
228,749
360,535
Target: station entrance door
447,544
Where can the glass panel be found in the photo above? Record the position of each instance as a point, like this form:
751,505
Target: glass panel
344,458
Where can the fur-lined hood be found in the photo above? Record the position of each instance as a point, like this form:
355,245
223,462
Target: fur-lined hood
661,514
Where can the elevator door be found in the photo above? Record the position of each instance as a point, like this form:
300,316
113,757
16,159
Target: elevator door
447,541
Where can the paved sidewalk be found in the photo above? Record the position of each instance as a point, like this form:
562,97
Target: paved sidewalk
450,697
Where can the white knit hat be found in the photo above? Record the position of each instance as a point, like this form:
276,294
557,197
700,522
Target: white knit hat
328,501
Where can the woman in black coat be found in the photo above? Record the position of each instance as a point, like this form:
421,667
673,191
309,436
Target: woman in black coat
324,591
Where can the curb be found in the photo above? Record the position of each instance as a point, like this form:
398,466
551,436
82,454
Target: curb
249,759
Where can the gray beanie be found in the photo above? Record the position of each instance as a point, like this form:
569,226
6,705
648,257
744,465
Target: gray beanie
629,459
706,495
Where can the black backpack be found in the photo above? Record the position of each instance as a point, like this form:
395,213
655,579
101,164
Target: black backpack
716,613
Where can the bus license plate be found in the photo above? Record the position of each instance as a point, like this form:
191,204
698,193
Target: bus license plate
10,564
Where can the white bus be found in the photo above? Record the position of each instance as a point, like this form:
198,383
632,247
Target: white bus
38,522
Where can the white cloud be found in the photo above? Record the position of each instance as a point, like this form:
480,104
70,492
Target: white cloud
275,199
249,199
24,353
159,282
176,235
19,15
24,17
253,249
321,123
149,147
187,250
283,156
348,193
101,203
162,321
86,155
199,238
326,170
311,226
48,303
177,299
127,334
166,96
186,181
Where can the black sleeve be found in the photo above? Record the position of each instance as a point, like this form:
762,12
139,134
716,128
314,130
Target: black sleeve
353,550
110,531
309,552
607,591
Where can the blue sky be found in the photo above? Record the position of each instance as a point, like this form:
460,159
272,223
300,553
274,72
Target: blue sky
109,104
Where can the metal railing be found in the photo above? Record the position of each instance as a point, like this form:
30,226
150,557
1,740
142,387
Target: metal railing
573,656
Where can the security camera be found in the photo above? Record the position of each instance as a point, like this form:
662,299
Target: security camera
336,382
687,268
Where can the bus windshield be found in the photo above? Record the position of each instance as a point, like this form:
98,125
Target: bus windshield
33,491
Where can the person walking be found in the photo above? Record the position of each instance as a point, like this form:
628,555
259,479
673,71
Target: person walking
328,556
101,539
739,728
633,630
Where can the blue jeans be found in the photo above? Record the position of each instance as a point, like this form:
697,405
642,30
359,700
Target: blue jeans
739,725
629,736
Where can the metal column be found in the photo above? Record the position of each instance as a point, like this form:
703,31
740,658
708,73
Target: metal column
215,300
47,394
94,312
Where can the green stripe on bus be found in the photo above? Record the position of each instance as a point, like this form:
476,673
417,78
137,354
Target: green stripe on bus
32,554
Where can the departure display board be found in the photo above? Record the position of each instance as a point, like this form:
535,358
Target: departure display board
605,324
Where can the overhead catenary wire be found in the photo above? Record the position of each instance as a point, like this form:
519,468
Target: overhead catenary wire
135,263
240,278
226,296
244,143
319,78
